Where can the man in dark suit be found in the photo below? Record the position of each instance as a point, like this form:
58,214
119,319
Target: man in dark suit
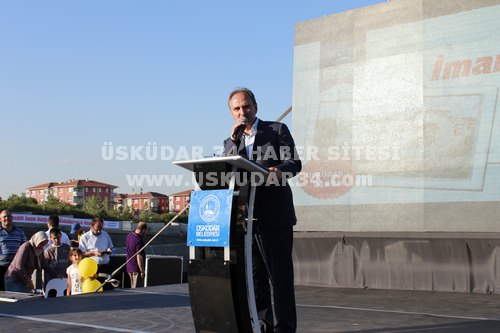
270,145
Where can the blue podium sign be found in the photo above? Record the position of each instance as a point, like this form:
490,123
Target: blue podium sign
209,218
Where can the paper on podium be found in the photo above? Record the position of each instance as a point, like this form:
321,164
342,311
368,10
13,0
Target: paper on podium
239,161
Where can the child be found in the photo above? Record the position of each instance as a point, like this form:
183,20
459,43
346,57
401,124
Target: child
55,257
75,280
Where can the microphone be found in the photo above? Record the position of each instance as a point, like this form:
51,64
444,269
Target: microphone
238,132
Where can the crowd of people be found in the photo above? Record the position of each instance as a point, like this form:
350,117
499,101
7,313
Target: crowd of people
58,254
274,213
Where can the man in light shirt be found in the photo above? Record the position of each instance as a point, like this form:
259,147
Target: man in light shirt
96,244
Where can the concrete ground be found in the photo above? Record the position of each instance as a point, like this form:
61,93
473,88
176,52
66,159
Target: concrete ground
167,309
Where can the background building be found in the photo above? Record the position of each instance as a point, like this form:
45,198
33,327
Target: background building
156,202
74,191
179,200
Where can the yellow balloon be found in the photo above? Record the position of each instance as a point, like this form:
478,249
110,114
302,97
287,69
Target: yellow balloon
87,267
89,286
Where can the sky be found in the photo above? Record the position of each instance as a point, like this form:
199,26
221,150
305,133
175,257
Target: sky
82,79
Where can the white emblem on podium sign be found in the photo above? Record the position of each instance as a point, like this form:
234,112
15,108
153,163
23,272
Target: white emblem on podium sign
209,208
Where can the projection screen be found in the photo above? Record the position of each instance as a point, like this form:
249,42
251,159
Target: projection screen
394,115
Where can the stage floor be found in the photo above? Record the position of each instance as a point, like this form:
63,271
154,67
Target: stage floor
166,309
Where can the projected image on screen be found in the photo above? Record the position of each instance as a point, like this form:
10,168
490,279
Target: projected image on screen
395,109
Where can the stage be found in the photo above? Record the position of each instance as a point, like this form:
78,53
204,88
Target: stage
166,309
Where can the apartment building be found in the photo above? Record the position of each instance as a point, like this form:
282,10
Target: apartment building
74,191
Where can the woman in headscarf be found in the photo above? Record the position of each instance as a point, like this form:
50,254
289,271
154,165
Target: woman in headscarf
27,259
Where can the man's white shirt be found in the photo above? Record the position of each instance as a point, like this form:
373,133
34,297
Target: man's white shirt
250,139
91,242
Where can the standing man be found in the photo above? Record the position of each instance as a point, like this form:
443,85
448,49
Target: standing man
270,145
96,243
11,239
135,242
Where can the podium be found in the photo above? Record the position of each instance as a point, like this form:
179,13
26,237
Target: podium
220,255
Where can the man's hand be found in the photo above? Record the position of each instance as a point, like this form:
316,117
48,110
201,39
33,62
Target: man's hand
276,171
240,122
107,251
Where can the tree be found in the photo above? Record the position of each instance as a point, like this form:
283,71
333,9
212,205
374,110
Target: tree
52,201
95,207
20,199
121,213
19,203
107,205
145,215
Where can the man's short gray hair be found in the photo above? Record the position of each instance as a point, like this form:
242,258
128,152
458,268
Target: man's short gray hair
245,91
